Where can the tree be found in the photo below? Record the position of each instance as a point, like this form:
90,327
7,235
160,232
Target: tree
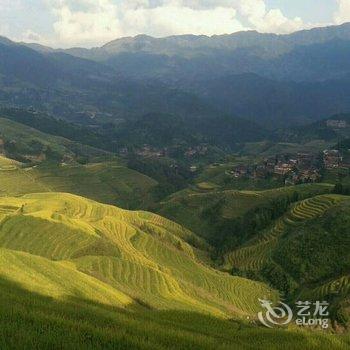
338,188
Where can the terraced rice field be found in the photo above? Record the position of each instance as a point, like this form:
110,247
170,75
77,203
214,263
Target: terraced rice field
56,279
8,163
144,258
339,286
256,253
106,182
206,186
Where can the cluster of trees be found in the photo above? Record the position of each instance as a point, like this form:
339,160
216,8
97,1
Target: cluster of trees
339,188
319,249
278,278
171,177
19,151
231,233
59,127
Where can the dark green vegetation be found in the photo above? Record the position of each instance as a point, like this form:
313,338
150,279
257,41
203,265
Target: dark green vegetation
58,127
27,144
215,213
52,163
40,322
318,131
316,257
304,253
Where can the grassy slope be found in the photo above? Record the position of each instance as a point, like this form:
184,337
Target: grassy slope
55,279
25,137
187,207
78,274
41,322
139,254
107,182
305,253
256,253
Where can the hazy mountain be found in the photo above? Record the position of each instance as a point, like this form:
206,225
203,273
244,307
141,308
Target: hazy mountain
299,56
23,64
66,85
266,100
292,78
190,45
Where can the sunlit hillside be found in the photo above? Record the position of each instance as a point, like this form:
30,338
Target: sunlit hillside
107,277
144,257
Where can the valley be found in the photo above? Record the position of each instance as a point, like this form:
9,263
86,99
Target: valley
158,193
143,264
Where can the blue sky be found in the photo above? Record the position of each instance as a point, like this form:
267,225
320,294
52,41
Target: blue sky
314,11
64,23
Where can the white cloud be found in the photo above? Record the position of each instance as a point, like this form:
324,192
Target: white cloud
90,22
5,30
93,22
169,20
31,37
343,13
264,20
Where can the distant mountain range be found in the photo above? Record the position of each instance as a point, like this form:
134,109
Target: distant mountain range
270,55
270,79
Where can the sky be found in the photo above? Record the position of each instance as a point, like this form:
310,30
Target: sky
88,23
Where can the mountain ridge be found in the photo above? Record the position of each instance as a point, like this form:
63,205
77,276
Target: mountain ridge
261,77
303,36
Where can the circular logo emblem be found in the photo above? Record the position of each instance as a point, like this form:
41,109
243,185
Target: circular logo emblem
274,316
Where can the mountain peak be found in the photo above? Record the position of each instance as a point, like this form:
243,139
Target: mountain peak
6,41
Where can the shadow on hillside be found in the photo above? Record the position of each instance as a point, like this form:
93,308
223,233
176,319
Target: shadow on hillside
30,320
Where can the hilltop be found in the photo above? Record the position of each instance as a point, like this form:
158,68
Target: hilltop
42,162
27,144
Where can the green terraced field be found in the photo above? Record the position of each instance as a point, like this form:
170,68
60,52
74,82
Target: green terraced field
78,274
107,182
339,286
39,322
56,279
142,256
104,178
187,206
29,141
256,253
